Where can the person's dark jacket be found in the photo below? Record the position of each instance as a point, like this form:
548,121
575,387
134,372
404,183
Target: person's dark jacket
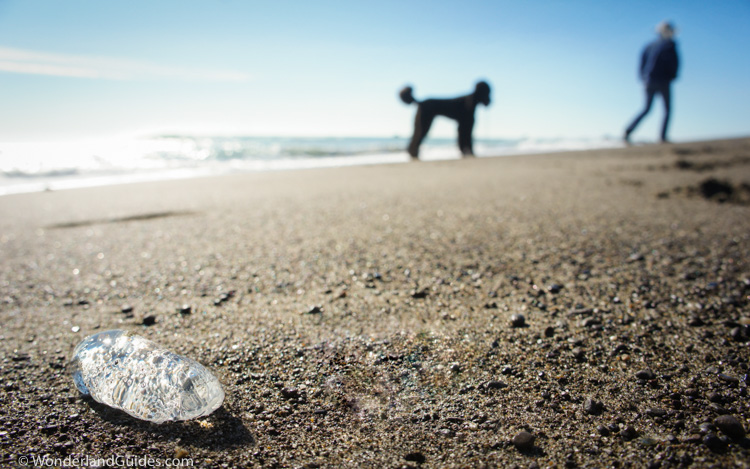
659,62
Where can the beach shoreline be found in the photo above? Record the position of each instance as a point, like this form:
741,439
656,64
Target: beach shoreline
44,166
368,315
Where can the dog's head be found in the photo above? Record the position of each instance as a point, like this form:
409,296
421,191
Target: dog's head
482,93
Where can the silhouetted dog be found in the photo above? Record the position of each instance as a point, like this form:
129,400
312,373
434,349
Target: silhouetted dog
460,109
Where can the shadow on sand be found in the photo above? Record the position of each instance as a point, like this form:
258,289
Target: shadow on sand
102,221
218,431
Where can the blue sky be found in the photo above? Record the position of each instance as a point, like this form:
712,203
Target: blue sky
73,69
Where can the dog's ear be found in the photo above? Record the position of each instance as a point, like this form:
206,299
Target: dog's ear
406,95
482,93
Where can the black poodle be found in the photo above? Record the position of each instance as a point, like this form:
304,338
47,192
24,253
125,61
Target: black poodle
460,109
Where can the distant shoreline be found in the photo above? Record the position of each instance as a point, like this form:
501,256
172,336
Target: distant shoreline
16,182
49,166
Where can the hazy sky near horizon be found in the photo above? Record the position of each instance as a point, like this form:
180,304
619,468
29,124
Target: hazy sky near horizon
84,68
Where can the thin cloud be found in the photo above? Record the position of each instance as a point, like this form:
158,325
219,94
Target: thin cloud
64,65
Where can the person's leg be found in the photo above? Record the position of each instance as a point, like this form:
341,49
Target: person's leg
666,95
649,99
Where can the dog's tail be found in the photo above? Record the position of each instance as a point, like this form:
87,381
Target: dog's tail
406,95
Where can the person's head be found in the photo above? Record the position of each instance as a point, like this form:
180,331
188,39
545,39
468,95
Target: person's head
482,93
665,29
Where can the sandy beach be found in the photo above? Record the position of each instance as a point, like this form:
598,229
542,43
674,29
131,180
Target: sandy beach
583,309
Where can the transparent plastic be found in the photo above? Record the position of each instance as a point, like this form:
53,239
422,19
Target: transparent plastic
137,376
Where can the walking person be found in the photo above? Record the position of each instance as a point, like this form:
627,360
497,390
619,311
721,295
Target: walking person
658,68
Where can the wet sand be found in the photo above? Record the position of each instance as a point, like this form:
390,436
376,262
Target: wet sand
369,316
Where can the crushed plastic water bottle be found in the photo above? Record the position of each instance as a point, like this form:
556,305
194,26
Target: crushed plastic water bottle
137,376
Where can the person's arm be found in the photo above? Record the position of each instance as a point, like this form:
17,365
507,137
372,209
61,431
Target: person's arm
644,60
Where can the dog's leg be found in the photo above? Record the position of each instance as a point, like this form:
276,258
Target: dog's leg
422,124
465,144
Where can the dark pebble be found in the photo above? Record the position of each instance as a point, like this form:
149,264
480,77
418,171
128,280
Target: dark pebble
730,300
656,412
127,309
315,310
289,393
554,288
579,354
517,320
695,321
149,320
714,443
706,427
730,380
549,331
494,384
592,407
524,441
629,432
622,348
49,429
416,457
603,431
730,426
591,322
645,375
185,309
419,294
718,409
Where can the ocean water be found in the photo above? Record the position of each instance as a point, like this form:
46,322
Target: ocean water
40,166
